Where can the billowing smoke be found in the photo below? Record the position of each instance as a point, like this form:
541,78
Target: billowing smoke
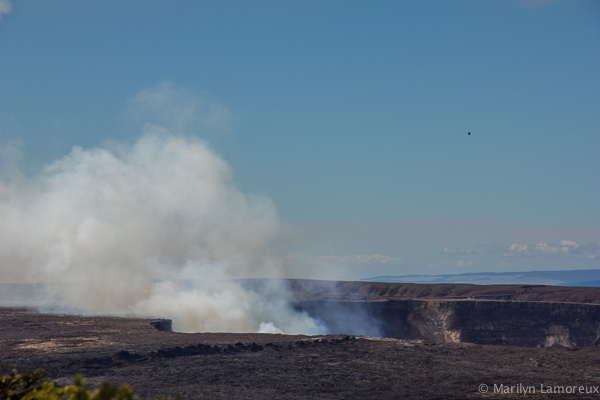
153,228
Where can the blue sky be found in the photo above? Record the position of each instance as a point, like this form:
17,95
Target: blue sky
351,116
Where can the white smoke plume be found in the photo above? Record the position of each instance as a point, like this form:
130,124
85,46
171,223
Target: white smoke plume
178,109
153,228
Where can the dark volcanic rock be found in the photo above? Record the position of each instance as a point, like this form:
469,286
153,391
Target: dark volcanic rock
163,325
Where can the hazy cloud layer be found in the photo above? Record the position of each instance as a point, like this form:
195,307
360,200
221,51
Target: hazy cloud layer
5,7
457,251
335,267
565,248
362,259
357,259
458,264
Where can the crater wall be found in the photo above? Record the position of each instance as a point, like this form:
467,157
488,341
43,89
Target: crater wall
520,323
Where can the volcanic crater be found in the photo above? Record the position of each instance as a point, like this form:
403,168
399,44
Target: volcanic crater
439,342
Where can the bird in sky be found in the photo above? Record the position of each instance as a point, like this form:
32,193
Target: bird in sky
469,133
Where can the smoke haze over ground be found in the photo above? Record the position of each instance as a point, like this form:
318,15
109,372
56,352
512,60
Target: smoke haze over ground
153,228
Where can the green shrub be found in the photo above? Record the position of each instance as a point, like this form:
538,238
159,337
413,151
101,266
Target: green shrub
16,386
29,385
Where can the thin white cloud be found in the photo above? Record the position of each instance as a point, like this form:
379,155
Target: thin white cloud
459,264
517,248
5,7
455,251
463,264
564,248
363,259
568,243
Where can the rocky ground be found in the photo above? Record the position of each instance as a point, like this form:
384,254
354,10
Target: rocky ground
263,366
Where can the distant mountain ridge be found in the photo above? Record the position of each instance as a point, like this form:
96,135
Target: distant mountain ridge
580,277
